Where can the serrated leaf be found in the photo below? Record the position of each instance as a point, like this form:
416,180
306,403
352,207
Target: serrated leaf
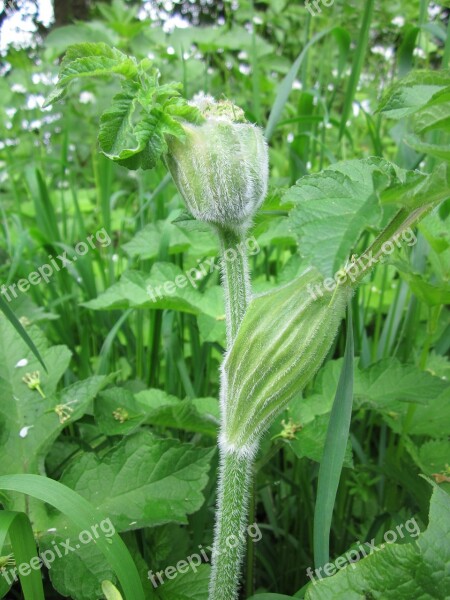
333,208
434,459
419,191
119,412
200,415
389,381
412,92
91,60
435,114
146,481
132,145
414,570
158,290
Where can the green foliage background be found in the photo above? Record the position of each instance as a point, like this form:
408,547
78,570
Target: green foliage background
138,380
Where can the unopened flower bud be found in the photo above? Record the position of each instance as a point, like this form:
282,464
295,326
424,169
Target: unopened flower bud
221,167
281,343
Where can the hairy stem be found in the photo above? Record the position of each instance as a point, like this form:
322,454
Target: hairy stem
231,525
235,279
235,467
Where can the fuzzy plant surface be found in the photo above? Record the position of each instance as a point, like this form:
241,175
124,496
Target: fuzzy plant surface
276,341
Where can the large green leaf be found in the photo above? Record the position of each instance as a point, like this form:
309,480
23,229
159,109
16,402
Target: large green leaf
146,481
166,287
118,412
333,208
30,423
398,571
86,519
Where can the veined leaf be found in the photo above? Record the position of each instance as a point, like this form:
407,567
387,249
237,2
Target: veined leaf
397,571
332,209
412,92
146,481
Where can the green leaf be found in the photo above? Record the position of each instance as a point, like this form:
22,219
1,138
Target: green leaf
160,290
398,571
198,415
79,573
438,150
435,114
146,481
433,459
17,525
84,517
332,209
132,146
386,383
411,93
418,191
146,244
119,412
192,585
91,60
309,441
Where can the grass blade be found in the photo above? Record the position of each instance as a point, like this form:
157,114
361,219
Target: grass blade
18,526
358,62
286,86
84,516
334,452
20,330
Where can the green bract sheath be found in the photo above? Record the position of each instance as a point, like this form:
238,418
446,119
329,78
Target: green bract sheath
281,343
221,166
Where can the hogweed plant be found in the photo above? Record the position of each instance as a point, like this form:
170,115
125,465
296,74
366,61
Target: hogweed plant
276,341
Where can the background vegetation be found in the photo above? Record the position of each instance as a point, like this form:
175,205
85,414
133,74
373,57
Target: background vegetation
138,380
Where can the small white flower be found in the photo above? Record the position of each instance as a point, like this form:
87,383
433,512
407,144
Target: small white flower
22,362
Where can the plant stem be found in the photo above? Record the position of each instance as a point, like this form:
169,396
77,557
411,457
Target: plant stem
231,521
235,279
235,468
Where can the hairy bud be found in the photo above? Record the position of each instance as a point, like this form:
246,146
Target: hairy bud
281,343
221,167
